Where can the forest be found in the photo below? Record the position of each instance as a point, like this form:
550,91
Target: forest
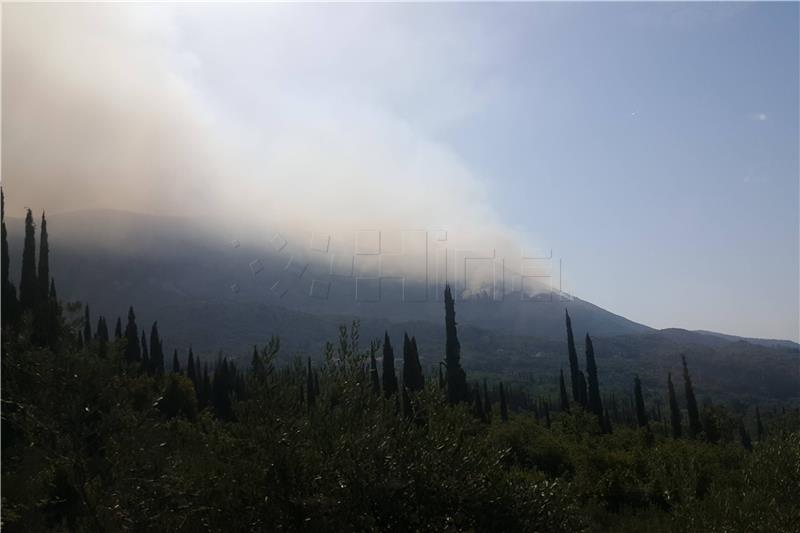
103,431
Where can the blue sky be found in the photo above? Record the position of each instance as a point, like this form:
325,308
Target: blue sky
653,147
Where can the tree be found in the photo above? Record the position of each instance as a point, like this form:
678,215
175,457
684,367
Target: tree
43,275
191,372
9,292
28,287
132,350
156,351
389,377
118,329
503,405
577,393
595,403
413,379
101,333
87,325
562,387
146,362
581,390
641,414
695,427
176,364
373,374
457,389
674,409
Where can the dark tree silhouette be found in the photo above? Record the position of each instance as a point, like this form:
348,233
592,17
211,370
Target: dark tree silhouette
28,287
594,400
577,392
413,379
695,427
373,374
43,274
389,376
118,329
641,413
487,404
9,292
457,389
674,409
562,389
176,364
156,351
132,350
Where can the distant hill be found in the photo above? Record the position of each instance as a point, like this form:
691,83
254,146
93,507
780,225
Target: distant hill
203,289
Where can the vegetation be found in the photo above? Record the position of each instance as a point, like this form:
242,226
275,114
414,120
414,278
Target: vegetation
98,436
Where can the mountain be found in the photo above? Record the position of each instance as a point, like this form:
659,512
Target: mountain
217,292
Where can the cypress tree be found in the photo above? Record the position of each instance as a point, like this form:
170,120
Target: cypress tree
43,276
132,350
457,389
102,330
156,351
503,405
146,361
674,409
176,364
641,414
413,379
595,403
373,374
389,377
28,286
87,325
581,390
118,329
562,387
573,363
192,373
54,321
419,377
9,292
695,427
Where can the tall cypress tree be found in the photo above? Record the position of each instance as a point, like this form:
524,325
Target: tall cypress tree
43,275
373,374
146,361
413,379
503,404
156,351
28,286
132,350
87,325
176,364
118,329
595,403
389,377
674,409
582,398
641,414
9,292
562,388
695,426
573,363
457,389
191,372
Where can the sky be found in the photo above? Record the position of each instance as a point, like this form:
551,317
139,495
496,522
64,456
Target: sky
652,147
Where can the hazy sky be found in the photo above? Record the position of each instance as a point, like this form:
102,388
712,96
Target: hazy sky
653,147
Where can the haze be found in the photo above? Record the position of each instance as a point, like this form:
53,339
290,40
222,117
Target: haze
653,147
